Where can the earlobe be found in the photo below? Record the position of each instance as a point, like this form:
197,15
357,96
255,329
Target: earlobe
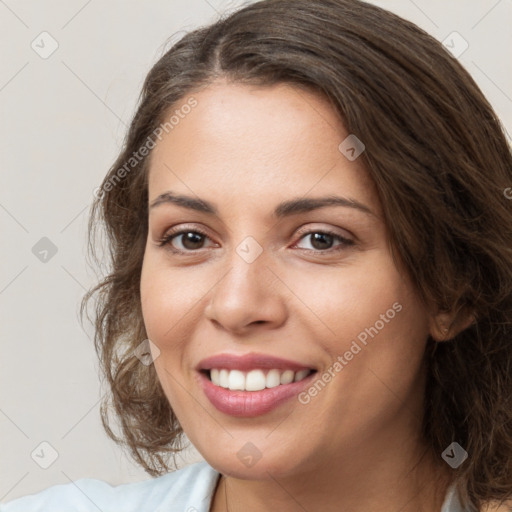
445,326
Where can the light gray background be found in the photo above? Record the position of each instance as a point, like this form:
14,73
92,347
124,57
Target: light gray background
62,122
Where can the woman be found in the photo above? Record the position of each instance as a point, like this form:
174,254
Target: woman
311,273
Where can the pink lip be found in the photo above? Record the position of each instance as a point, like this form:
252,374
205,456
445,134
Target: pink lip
250,403
247,404
249,362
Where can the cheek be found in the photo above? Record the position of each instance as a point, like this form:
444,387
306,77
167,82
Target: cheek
168,297
347,300
172,308
371,317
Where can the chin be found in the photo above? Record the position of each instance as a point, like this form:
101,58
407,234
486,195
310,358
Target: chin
251,463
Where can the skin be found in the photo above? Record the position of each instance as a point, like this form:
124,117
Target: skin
357,444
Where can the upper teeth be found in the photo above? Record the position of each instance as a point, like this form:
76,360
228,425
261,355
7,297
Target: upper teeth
255,380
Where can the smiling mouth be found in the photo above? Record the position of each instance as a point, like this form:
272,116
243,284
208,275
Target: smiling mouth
254,380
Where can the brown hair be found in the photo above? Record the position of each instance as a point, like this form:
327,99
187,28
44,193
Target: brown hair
440,161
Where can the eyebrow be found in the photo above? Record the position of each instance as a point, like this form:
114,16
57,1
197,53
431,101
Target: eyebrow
284,209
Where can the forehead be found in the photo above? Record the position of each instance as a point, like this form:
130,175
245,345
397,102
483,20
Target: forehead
260,142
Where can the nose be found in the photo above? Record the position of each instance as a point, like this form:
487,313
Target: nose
249,296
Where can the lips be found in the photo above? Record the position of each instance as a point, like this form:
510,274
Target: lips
249,362
252,384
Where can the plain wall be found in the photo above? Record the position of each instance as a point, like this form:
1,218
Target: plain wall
63,119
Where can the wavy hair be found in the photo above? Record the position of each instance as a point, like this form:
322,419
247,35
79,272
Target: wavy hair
441,164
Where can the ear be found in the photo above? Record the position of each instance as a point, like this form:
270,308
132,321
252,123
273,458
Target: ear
444,326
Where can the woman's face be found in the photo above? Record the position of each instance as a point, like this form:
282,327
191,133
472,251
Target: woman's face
260,271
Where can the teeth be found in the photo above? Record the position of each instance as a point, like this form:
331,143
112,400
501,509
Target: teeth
300,375
255,380
287,377
223,379
236,380
273,379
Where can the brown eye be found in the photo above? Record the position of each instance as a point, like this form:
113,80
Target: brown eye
188,240
191,240
322,241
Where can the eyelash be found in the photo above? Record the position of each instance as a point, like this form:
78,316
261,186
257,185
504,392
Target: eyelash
168,237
